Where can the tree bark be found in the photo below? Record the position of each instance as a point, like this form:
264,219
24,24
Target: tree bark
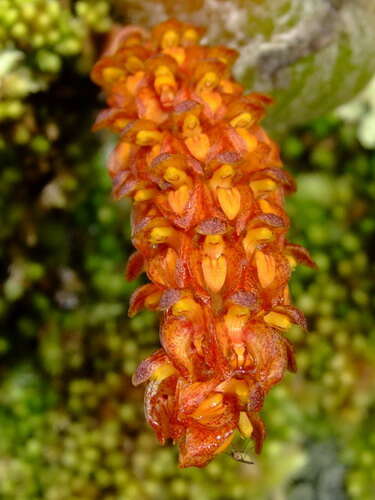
312,55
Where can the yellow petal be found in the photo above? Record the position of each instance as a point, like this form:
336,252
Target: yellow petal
237,387
213,246
214,272
133,80
212,99
267,208
249,139
153,153
191,126
243,120
145,194
253,236
209,406
148,137
222,177
178,54
178,199
278,320
134,64
236,318
244,425
266,268
176,176
190,36
164,78
208,81
228,87
230,201
185,307
292,261
111,74
198,146
121,123
162,372
263,186
152,300
160,235
240,353
170,39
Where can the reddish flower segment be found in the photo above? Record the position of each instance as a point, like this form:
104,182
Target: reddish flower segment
210,230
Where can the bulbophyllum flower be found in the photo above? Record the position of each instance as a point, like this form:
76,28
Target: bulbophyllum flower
209,227
200,416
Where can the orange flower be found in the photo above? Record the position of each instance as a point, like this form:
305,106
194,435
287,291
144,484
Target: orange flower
209,227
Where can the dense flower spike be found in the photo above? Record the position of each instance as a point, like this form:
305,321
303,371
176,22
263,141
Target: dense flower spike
210,232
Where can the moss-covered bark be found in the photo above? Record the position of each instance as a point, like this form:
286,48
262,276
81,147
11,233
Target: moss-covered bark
312,55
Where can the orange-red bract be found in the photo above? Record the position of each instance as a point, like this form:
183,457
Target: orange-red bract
209,227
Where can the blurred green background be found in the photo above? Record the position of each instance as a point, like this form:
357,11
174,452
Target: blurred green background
71,425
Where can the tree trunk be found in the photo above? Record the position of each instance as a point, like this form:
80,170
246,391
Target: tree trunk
312,55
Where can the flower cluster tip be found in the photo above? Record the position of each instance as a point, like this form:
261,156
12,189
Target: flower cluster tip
209,227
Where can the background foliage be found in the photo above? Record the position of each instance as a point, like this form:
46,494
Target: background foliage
72,427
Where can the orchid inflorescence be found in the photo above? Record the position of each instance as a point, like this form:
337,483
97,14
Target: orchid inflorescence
209,226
